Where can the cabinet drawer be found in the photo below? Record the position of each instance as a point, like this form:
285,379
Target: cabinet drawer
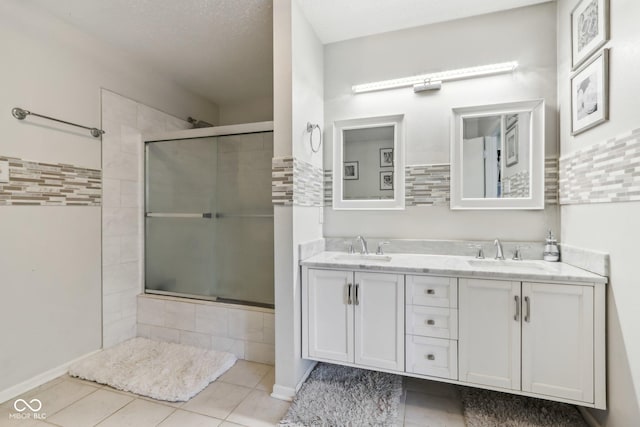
432,291
432,356
434,322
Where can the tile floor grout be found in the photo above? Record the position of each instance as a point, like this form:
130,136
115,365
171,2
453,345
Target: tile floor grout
417,405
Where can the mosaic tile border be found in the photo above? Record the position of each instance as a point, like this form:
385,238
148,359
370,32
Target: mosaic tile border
429,185
296,182
551,169
605,172
307,184
49,184
518,185
282,181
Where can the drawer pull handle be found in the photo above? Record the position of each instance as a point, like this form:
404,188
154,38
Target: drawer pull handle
430,291
431,357
430,322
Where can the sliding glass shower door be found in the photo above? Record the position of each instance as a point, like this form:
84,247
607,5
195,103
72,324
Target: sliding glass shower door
209,218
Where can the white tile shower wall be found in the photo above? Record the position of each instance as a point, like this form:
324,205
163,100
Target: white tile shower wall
124,120
247,332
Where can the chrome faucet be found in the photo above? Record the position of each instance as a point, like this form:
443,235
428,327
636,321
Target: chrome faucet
363,245
498,245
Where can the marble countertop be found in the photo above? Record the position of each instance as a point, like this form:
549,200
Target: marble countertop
459,266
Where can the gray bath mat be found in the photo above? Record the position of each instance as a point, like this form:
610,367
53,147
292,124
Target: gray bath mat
336,395
160,370
484,408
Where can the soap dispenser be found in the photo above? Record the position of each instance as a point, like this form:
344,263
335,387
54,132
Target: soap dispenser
551,251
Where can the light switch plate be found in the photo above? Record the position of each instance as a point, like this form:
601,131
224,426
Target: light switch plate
4,171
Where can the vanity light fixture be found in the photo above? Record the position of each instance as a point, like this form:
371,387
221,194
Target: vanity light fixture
433,80
427,85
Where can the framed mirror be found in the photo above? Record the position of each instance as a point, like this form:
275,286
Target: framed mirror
497,156
368,163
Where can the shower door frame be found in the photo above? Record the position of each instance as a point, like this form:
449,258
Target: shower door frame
215,131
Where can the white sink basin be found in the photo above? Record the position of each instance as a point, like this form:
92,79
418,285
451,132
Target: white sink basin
362,257
506,264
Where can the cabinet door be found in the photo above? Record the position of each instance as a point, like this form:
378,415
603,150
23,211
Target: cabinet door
557,340
379,320
330,316
489,335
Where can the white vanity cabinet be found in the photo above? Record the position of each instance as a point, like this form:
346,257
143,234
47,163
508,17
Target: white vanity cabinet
532,337
490,333
432,326
354,318
539,333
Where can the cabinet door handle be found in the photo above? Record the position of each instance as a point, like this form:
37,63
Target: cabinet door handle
349,302
430,291
527,317
430,322
431,357
357,299
517,315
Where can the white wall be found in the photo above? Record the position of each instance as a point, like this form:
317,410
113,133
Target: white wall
50,309
527,35
253,110
611,227
298,89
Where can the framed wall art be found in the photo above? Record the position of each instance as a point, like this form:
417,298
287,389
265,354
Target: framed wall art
511,145
589,29
386,157
351,170
386,180
590,94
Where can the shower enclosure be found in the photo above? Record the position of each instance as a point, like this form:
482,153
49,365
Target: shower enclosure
209,215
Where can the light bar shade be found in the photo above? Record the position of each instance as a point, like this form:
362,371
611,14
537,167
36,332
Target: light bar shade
459,74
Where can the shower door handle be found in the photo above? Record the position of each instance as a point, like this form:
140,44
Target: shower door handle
178,215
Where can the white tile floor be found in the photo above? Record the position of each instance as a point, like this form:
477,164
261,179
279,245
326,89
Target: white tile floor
238,398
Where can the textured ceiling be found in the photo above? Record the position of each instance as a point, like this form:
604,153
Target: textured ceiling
223,49
336,20
220,49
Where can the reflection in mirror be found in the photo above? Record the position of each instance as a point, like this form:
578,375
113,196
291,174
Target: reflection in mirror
368,163
495,156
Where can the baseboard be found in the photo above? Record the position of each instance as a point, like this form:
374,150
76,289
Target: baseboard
283,393
40,379
306,375
588,417
288,393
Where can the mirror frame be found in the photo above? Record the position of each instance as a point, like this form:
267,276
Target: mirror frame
536,159
339,126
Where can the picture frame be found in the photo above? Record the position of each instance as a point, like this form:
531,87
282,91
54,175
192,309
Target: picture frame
511,145
351,171
589,29
510,120
386,157
386,180
590,94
